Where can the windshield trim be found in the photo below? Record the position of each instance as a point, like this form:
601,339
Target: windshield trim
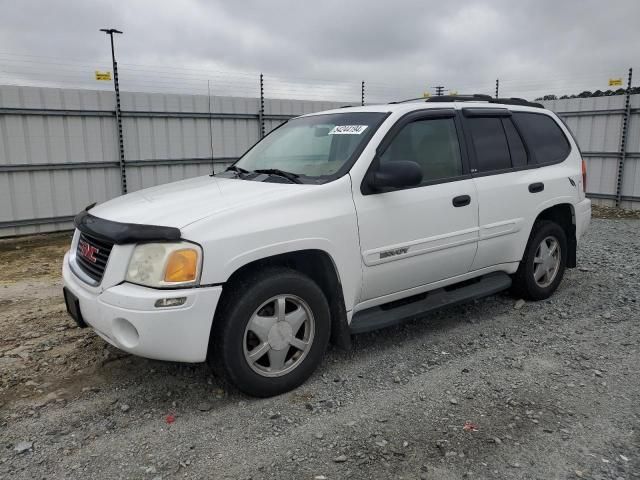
344,169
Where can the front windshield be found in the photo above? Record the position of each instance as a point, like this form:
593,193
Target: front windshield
315,146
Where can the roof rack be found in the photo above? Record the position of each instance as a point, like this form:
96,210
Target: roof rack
476,97
484,98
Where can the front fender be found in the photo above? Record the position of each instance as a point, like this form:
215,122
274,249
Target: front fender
266,251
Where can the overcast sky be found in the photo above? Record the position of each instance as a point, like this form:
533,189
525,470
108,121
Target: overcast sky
318,49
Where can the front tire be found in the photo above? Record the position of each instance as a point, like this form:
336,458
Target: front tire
544,261
271,332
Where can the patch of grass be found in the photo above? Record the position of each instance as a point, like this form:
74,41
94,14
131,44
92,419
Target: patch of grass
35,256
32,241
599,211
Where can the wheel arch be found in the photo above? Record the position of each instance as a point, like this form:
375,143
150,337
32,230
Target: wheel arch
318,265
564,215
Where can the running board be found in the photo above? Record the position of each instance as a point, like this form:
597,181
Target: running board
378,317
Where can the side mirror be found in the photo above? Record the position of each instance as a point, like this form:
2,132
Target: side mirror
396,174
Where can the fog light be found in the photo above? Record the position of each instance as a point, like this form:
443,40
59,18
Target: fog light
125,333
170,302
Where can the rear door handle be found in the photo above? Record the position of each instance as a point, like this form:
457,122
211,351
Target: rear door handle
461,200
536,187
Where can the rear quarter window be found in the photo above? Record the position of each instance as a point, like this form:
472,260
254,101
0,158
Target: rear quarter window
545,140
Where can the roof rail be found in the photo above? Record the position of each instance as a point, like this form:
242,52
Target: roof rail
517,101
476,97
408,100
484,98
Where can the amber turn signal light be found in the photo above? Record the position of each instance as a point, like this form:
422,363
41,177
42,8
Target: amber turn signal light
182,266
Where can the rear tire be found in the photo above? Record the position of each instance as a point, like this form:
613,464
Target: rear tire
271,333
543,263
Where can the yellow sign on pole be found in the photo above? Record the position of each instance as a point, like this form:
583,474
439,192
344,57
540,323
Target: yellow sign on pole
615,82
103,75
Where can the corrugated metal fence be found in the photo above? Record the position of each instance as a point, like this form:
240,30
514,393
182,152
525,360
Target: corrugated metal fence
598,124
58,147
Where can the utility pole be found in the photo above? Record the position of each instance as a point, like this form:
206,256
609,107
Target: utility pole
497,87
439,90
362,94
123,172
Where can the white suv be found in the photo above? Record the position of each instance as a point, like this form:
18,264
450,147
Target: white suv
335,223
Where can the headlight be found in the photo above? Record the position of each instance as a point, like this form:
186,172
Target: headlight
165,264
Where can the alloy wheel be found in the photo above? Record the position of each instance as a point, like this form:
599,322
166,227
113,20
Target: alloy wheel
279,335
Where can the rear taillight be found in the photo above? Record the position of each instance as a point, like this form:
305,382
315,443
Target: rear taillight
584,175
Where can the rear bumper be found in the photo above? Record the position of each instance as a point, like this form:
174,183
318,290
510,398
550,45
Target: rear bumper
125,316
583,217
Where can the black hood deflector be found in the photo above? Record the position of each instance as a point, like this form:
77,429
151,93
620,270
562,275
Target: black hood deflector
123,233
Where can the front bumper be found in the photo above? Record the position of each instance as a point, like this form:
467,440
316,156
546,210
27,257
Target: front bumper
125,316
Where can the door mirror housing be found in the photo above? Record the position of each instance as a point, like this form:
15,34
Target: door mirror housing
396,174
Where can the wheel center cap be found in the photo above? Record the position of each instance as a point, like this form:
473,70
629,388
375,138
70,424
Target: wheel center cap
280,335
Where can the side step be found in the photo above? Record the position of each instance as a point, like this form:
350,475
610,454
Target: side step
380,317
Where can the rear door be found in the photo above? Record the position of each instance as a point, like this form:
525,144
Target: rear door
414,236
514,178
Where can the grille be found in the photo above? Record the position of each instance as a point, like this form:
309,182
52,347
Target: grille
90,248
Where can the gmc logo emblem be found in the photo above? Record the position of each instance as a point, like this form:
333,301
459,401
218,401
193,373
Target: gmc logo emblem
88,251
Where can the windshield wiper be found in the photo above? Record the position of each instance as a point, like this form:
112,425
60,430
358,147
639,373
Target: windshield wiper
292,177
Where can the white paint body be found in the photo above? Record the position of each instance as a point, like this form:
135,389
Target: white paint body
237,222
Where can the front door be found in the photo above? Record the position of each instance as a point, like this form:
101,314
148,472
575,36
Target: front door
415,236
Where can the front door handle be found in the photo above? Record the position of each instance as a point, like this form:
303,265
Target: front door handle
536,187
461,200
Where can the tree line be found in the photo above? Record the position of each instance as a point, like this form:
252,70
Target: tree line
587,94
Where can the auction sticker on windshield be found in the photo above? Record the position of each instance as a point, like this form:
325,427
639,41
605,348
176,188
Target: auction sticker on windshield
348,129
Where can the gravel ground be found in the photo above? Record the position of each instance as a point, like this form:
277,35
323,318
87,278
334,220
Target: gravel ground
546,390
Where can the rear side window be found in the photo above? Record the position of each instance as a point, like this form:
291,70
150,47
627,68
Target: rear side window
544,138
490,143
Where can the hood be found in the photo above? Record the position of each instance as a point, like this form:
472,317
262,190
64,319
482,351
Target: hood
180,203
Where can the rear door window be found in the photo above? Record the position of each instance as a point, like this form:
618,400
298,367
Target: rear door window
490,144
545,140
